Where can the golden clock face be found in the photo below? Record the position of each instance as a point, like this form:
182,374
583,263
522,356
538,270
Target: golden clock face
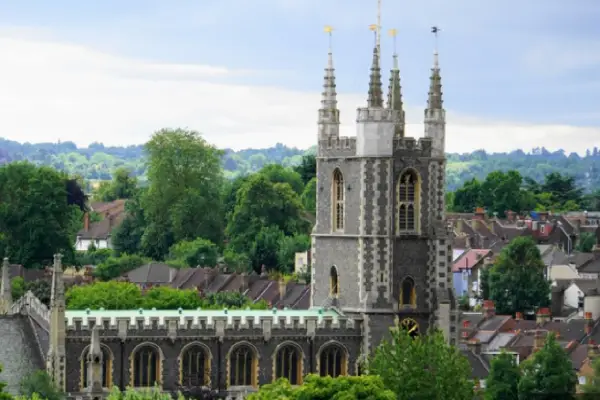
410,325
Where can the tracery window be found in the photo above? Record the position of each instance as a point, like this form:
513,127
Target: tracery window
288,364
242,364
106,367
146,367
195,367
407,200
332,361
338,200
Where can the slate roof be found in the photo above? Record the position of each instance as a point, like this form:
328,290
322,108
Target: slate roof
588,286
19,351
101,229
479,367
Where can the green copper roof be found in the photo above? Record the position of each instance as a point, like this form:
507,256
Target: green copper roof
316,312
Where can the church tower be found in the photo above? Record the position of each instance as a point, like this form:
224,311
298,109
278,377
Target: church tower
381,246
56,360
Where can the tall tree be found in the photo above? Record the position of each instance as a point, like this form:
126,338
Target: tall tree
309,196
424,367
468,197
562,188
183,200
36,218
127,237
502,191
279,174
307,168
503,380
548,374
516,280
122,186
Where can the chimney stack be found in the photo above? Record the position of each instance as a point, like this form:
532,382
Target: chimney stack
86,221
538,340
589,322
489,309
282,288
518,316
510,216
542,316
475,346
479,214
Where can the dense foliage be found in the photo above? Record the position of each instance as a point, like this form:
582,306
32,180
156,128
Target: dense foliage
516,281
424,367
39,385
98,162
327,388
502,382
115,295
3,394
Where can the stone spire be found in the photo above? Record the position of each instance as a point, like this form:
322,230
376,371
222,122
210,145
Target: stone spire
56,360
329,114
94,366
434,101
375,99
5,288
395,98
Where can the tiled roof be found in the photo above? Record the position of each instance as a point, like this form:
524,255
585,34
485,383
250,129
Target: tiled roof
103,228
479,367
469,259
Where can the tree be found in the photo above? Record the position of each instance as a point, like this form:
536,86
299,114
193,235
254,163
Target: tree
548,374
36,219
39,383
502,191
3,394
468,197
516,280
586,242
260,204
127,237
307,168
288,247
122,186
424,367
195,253
183,200
326,388
309,196
562,188
144,394
503,379
279,174
110,295
113,267
591,388
265,248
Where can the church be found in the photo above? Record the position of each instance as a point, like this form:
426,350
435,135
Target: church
381,256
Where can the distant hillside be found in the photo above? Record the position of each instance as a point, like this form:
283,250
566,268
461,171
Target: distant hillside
97,161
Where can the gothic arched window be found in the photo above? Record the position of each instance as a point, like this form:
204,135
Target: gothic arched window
288,364
146,366
195,367
408,293
338,200
242,366
106,367
332,361
407,200
334,282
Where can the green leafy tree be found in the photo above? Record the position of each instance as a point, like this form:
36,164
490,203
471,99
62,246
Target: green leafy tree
230,190
194,253
265,248
36,219
110,295
309,196
17,287
144,394
307,168
502,191
41,289
3,394
516,280
424,367
183,200
586,242
39,383
278,174
127,237
92,256
548,374
260,204
114,267
468,197
326,388
288,247
591,389
122,186
503,379
562,188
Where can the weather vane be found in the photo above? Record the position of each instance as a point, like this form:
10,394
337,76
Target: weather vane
393,33
328,30
376,28
435,30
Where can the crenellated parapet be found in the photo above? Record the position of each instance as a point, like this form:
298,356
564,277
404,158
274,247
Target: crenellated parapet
376,115
218,323
418,148
333,146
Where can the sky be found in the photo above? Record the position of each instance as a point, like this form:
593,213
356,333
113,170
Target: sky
515,74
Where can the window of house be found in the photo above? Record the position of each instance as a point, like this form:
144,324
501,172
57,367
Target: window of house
338,200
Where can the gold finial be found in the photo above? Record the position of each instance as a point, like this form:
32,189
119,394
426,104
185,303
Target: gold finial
393,32
328,30
373,28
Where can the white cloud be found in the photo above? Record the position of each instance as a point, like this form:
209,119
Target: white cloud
51,91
